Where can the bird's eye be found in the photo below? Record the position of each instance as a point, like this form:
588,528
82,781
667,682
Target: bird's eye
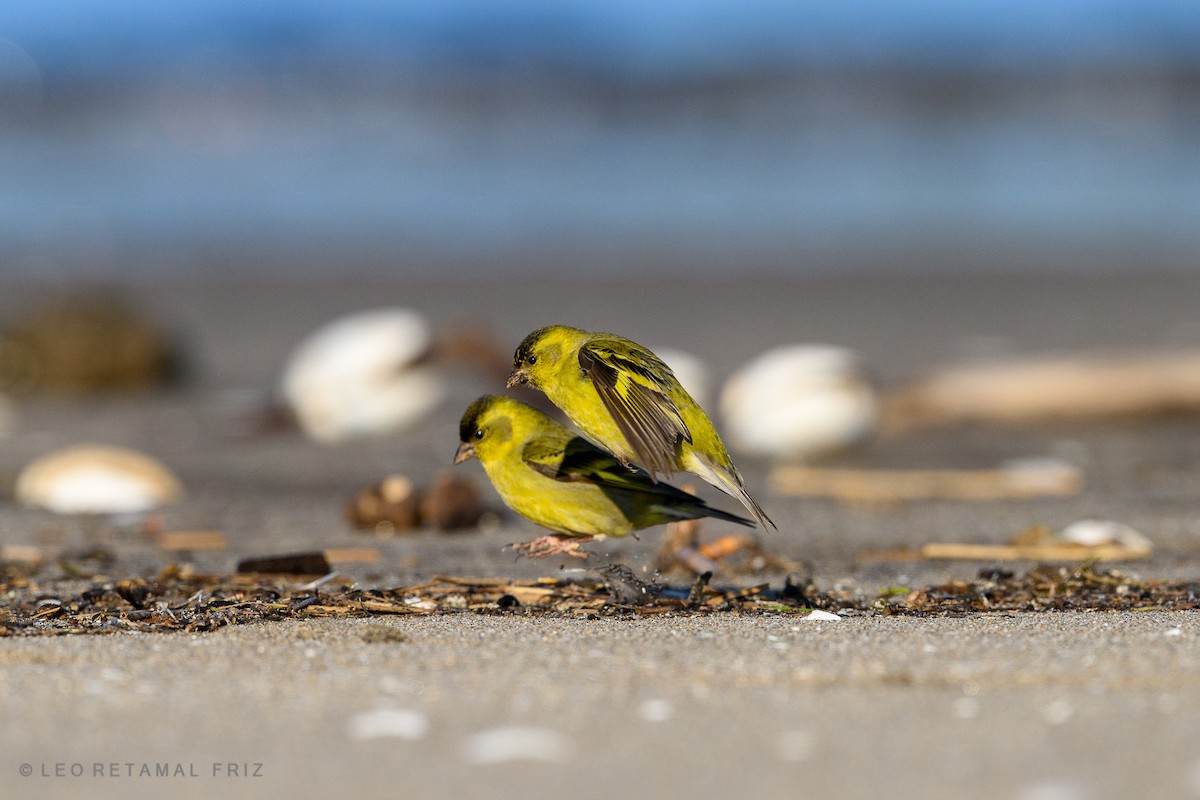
531,360
479,434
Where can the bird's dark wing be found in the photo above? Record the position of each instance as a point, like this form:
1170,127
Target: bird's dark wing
579,460
633,384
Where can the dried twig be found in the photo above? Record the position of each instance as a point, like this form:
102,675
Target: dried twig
1035,479
1082,386
1034,552
191,540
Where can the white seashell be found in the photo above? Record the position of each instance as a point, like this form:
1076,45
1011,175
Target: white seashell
656,710
799,401
97,480
388,723
517,743
795,745
1097,532
690,371
817,615
356,376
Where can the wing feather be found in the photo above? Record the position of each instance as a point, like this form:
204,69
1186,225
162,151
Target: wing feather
634,389
579,460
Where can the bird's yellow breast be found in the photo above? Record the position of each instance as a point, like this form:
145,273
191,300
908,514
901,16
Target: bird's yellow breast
562,506
574,393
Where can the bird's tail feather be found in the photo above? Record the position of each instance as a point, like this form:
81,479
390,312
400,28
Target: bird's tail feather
728,480
701,509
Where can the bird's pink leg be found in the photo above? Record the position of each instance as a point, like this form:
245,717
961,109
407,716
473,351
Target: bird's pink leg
554,544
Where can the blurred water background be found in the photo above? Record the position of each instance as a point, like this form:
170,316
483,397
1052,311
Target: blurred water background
454,137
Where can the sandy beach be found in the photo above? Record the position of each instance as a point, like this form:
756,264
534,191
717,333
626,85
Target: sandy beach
1052,706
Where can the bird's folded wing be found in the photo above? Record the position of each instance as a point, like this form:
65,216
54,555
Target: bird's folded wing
633,388
580,460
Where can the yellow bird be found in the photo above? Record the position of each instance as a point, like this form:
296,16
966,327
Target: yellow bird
560,481
626,400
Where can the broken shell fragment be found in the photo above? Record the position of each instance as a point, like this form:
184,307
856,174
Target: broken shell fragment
361,375
800,402
1099,532
97,479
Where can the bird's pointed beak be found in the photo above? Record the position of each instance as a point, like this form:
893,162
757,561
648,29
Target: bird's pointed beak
518,377
465,452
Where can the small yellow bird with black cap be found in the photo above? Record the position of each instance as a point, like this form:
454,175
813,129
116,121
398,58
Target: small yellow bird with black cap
561,481
627,401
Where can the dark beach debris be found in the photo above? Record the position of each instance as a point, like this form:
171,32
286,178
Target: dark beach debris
799,588
383,634
396,505
311,563
133,591
385,507
453,503
696,593
317,564
729,555
177,600
87,562
87,343
624,586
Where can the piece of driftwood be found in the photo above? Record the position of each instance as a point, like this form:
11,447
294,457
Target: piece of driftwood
1084,540
351,555
1072,553
1084,386
1020,480
22,554
311,563
191,540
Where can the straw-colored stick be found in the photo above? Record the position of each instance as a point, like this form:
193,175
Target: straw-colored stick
867,485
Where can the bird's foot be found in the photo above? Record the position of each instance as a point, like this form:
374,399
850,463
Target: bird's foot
554,545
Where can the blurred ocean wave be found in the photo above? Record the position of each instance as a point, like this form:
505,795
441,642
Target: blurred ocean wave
150,137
